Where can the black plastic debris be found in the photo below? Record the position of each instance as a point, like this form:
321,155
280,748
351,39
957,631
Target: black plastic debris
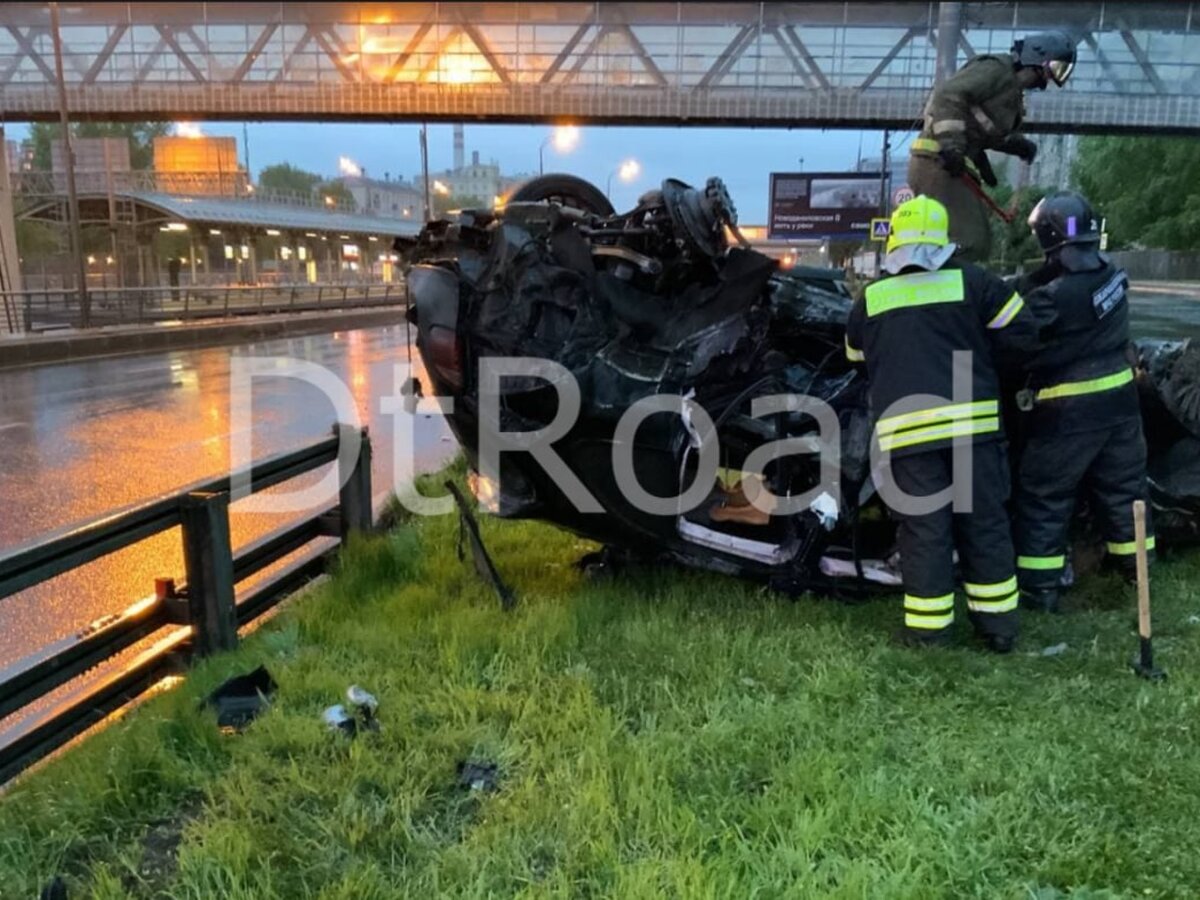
486,569
476,775
55,890
239,700
365,705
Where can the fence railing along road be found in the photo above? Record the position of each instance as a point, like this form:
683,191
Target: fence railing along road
206,607
51,308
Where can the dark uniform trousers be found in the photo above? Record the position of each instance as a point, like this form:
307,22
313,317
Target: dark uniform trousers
982,537
1110,465
970,221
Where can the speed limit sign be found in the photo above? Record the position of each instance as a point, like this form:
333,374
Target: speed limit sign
902,194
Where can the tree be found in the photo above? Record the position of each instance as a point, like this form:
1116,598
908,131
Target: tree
339,192
287,178
1145,187
140,135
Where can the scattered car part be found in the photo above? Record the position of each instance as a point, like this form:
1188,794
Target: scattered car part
477,775
486,569
239,700
338,719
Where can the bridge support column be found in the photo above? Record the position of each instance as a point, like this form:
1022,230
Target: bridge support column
949,30
11,308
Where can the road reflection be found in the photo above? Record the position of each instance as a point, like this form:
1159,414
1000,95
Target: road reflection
83,439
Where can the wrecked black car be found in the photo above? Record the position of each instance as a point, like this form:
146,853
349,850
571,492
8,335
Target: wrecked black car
668,299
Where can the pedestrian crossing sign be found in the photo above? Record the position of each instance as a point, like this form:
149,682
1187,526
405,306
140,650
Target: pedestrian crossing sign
880,229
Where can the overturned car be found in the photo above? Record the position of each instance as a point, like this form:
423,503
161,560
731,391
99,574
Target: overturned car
667,302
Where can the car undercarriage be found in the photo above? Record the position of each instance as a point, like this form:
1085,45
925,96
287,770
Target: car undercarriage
668,300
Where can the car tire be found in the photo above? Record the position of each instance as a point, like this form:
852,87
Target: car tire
565,189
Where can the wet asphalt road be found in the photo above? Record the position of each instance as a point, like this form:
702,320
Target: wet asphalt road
82,439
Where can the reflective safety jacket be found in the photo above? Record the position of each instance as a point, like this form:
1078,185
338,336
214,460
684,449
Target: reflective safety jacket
916,331
1081,377
977,108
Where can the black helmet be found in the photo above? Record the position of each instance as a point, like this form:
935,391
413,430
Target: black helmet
1065,226
1053,52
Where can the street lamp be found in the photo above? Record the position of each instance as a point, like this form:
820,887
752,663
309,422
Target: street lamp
565,137
628,171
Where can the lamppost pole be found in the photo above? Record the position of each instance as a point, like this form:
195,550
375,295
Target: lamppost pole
85,305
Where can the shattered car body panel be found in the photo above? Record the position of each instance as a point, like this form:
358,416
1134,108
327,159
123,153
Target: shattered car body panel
664,300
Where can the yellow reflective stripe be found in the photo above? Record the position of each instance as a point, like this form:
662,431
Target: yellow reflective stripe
929,604
929,623
926,144
949,125
1127,548
854,354
1092,386
1041,563
919,289
1008,312
999,589
938,433
952,412
994,607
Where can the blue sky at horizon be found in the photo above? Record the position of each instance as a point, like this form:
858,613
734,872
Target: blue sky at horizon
743,157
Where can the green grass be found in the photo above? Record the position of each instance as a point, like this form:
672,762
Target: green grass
659,735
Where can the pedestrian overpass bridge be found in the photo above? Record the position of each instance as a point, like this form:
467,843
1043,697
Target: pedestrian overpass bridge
804,64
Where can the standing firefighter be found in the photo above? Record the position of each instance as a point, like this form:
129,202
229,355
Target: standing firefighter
1084,428
929,334
980,107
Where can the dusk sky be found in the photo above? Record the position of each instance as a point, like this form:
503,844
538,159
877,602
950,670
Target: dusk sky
743,157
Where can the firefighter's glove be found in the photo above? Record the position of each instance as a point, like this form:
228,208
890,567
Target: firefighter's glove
1021,147
953,161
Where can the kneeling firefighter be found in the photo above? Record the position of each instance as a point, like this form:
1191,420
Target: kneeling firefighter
929,326
980,107
1084,428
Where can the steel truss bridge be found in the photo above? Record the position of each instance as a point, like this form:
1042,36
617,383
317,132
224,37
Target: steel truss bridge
831,64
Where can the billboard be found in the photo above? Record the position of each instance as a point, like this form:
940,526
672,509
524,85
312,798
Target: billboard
823,204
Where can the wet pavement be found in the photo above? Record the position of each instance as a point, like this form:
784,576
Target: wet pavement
82,439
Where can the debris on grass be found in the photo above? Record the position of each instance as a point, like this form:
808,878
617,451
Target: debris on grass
338,719
478,775
365,705
239,700
1055,650
55,890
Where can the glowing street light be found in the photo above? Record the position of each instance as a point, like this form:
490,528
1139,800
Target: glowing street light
188,130
347,166
439,187
628,171
329,201
565,138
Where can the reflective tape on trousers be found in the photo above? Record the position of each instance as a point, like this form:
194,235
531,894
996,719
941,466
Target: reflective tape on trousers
1091,386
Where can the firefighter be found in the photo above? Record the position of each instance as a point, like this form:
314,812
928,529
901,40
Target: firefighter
1084,428
980,107
911,328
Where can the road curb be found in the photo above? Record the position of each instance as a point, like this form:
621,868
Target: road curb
40,350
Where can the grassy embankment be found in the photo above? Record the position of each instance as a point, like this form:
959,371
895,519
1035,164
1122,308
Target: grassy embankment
661,734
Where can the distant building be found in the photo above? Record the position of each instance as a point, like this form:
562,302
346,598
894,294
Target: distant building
1052,169
387,199
483,181
95,158
199,165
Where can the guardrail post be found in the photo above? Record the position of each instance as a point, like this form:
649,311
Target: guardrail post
208,559
28,313
355,494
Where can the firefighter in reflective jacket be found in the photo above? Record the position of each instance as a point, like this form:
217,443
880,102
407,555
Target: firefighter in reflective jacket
980,107
929,333
1084,429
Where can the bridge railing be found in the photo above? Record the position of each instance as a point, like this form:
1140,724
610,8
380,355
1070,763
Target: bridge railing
201,616
54,308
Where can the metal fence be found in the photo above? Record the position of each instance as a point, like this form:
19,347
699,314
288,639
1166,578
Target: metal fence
205,606
55,308
1159,265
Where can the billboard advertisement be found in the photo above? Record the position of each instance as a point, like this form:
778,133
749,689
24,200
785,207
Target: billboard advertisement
815,205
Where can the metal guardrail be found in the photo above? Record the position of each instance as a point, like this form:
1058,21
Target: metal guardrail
206,606
49,308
